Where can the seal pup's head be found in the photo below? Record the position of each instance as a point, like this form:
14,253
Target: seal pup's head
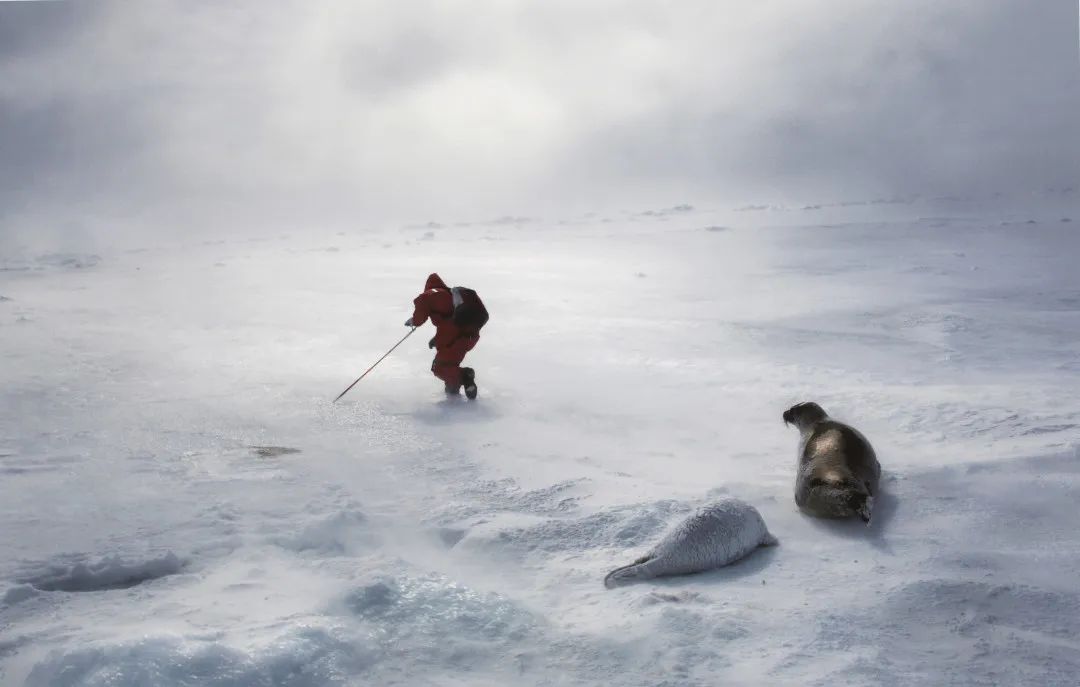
804,415
837,496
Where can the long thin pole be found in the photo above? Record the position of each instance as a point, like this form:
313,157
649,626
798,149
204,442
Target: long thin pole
376,363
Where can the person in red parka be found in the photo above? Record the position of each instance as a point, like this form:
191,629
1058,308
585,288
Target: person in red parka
451,341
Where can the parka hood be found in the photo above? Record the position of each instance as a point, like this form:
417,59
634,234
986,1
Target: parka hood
434,281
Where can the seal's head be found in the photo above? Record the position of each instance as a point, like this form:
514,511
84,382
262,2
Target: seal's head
835,496
804,415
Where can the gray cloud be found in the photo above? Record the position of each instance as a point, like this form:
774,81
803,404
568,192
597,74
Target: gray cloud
204,111
976,96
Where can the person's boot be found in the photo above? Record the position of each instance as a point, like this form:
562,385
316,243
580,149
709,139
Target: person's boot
452,389
468,380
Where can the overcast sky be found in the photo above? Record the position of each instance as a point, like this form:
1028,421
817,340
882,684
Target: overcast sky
468,109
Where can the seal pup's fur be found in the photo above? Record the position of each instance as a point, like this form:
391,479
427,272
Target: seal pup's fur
714,536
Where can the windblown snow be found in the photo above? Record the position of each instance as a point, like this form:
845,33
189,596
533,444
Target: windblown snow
181,503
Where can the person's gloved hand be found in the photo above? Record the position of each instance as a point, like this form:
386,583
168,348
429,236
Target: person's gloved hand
431,344
408,322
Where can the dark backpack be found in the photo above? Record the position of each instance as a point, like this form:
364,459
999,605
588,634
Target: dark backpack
469,311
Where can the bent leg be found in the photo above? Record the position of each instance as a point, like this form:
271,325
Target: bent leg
447,363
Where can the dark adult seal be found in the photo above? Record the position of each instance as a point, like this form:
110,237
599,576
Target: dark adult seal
838,471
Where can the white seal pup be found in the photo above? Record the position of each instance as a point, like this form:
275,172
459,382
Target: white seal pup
838,471
715,536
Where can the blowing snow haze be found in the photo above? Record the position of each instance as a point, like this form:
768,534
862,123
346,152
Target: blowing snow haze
183,115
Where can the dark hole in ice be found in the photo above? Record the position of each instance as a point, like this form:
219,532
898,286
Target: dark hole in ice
104,575
272,451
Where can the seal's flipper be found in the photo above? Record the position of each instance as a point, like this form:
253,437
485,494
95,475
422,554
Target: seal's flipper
623,575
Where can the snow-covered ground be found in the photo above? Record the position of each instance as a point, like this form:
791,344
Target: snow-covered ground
181,504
